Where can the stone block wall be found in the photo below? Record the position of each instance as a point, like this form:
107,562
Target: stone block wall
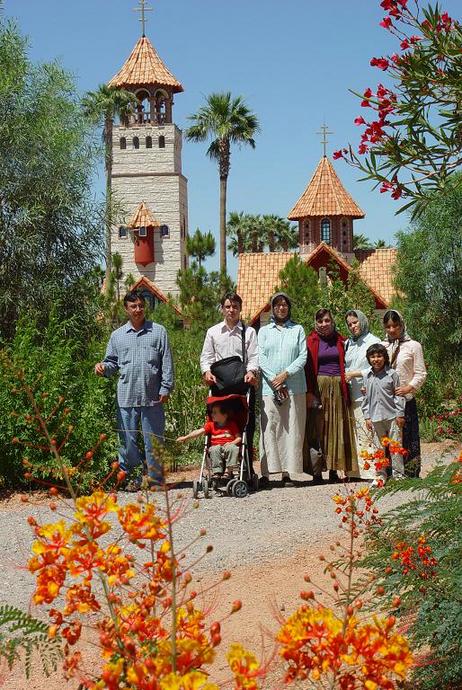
152,175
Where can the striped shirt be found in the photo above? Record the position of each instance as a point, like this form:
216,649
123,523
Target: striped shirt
144,361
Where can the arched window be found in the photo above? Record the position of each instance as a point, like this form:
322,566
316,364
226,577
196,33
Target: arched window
136,143
143,108
160,104
161,141
149,142
325,230
123,143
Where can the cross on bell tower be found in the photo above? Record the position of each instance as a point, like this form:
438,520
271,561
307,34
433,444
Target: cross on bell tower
143,9
324,132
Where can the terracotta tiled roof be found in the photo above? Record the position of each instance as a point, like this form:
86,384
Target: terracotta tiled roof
143,218
144,282
325,196
258,275
376,271
144,67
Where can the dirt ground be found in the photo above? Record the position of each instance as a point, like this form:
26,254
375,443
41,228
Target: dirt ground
268,591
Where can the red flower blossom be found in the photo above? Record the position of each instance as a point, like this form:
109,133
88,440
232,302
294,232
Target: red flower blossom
386,23
381,63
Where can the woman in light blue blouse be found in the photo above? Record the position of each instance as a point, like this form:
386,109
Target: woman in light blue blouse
355,363
282,358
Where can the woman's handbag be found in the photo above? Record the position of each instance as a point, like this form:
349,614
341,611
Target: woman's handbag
230,372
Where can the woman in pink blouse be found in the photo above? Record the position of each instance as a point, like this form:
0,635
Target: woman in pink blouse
406,357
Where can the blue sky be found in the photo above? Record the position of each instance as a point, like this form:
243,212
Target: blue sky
293,61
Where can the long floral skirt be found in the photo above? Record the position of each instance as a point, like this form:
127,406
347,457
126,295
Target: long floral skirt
333,428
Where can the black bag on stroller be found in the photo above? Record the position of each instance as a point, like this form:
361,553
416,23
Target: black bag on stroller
230,372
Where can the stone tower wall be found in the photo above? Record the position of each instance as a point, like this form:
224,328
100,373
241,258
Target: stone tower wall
152,175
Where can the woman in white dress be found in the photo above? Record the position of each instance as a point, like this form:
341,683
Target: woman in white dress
355,363
282,358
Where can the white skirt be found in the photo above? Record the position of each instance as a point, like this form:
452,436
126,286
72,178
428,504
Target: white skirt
281,434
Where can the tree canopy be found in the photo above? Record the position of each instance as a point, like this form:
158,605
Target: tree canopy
429,276
49,237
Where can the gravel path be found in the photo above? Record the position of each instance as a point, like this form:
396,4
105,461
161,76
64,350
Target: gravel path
258,529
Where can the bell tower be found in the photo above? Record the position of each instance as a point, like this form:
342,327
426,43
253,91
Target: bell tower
326,211
147,173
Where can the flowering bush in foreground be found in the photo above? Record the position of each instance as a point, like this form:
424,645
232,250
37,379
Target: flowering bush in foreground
110,574
416,560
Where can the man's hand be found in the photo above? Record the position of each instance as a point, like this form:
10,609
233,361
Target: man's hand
163,398
400,422
209,378
250,378
369,425
181,439
279,380
404,390
99,369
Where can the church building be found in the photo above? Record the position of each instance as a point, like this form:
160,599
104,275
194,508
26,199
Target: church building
148,184
325,213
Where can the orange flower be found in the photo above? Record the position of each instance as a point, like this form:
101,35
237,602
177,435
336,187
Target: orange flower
141,522
245,668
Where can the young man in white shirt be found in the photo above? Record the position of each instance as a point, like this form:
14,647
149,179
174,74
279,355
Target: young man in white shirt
225,340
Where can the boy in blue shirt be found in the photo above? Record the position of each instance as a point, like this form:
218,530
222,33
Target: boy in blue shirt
383,410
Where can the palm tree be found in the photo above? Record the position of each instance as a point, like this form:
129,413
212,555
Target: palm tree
381,244
225,120
238,230
286,235
102,107
361,242
200,245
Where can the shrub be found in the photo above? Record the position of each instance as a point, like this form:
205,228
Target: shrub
59,363
415,558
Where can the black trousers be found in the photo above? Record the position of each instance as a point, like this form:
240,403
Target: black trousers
251,425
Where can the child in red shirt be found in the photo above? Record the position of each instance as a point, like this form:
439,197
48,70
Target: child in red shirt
225,438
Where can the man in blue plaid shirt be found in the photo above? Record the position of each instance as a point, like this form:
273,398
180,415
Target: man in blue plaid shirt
139,350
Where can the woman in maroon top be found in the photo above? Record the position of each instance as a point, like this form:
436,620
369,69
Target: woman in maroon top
329,421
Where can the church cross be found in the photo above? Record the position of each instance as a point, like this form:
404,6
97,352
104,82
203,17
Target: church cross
324,132
142,8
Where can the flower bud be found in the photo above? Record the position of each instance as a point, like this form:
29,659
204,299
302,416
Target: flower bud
236,606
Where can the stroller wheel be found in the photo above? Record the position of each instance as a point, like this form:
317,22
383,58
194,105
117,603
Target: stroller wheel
195,488
240,489
254,482
205,487
229,486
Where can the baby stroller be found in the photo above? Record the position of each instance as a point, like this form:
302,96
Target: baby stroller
245,481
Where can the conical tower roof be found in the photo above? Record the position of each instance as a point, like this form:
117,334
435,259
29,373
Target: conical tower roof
143,218
325,196
144,67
